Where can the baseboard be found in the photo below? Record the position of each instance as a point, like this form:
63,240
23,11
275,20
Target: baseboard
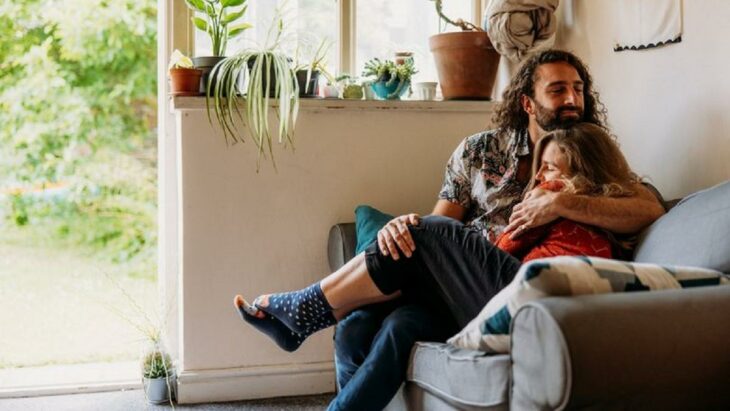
255,382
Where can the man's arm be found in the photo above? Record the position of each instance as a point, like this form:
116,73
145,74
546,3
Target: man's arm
448,209
615,214
395,238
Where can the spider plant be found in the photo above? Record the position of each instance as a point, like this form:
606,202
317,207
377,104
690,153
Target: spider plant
269,76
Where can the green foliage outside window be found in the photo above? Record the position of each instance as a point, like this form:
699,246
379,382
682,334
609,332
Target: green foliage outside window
77,122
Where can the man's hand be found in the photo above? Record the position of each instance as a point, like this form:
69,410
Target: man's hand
536,209
395,235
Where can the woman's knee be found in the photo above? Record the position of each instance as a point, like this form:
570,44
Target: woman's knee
443,226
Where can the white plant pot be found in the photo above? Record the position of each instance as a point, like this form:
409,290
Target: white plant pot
156,389
331,91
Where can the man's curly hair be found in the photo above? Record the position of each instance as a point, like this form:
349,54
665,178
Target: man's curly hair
509,115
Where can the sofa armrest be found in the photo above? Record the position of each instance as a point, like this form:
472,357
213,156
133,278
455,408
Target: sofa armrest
641,350
341,245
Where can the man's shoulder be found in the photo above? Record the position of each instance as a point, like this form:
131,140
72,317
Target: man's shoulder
494,140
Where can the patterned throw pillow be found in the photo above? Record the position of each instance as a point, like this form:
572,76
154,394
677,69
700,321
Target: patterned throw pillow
565,276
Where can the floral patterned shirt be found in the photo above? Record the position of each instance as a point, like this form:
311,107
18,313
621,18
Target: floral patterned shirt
481,176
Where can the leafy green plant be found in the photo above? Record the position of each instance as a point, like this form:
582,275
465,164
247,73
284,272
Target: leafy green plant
389,72
218,22
270,76
460,23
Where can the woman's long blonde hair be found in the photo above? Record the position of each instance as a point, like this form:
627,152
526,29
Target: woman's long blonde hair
595,162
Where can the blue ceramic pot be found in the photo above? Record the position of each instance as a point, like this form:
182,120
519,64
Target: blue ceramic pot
384,92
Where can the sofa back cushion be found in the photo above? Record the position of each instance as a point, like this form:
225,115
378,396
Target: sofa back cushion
695,232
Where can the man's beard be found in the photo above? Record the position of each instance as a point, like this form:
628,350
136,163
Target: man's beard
551,120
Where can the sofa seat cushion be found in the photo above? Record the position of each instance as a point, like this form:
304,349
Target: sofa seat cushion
464,377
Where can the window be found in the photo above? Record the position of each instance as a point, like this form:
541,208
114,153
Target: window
386,26
379,28
310,22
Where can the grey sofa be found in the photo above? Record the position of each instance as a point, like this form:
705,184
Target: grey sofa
667,350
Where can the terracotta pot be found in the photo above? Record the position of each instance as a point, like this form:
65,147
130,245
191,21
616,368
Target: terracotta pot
185,81
466,63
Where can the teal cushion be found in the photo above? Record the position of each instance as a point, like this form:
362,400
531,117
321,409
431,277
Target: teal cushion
368,221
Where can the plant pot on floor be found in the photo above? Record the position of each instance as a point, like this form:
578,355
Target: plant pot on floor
308,89
158,390
466,63
205,64
185,81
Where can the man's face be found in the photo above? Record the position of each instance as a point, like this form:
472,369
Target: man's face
558,101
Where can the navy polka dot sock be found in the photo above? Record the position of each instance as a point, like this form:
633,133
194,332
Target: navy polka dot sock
305,311
285,338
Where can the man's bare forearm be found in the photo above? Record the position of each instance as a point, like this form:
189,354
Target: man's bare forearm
616,214
448,209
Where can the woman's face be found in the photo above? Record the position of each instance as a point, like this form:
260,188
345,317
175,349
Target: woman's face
553,164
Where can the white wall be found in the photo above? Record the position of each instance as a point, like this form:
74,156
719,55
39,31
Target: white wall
249,233
668,106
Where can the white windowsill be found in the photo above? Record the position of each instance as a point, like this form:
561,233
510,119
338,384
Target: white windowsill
307,104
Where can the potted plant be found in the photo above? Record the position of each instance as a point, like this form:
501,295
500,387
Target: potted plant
308,74
351,89
466,61
184,79
157,369
269,75
218,18
390,80
158,374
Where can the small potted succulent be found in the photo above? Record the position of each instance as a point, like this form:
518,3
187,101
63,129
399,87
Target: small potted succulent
390,80
158,374
351,89
184,79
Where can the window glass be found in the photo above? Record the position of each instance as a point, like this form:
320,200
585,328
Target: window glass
306,23
385,27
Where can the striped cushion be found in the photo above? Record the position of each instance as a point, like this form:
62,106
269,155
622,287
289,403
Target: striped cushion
565,276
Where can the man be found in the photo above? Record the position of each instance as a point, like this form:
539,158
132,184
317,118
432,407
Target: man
483,187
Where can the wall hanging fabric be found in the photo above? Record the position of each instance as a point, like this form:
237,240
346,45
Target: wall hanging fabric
519,27
642,24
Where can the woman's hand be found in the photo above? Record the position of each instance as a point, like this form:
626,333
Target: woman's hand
395,235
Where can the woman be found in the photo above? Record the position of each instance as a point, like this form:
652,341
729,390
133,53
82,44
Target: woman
583,159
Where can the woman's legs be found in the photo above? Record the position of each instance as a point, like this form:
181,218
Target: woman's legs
289,318
454,268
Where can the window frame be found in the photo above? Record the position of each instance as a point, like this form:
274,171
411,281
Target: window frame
346,28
